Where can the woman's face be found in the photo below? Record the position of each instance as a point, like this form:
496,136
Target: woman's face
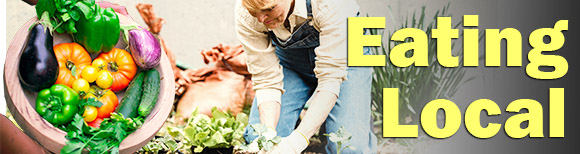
273,15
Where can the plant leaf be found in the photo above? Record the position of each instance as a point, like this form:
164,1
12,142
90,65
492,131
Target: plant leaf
277,139
219,116
72,148
189,133
45,6
259,128
243,118
173,131
85,9
65,17
73,70
91,2
78,122
114,150
411,108
91,101
171,144
200,138
268,145
214,140
74,14
198,149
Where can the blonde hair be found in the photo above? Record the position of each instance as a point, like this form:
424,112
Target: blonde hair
258,5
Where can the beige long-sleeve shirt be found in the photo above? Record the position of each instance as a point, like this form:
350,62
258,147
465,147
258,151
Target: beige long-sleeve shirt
329,18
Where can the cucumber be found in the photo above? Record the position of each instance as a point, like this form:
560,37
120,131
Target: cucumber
151,88
130,103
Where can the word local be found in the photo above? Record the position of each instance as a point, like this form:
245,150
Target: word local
392,128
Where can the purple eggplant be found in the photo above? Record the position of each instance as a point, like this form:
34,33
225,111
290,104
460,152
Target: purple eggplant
144,47
38,67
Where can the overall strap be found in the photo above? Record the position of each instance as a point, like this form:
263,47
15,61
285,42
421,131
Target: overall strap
309,9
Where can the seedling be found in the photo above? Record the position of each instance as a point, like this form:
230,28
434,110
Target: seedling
262,141
222,130
341,137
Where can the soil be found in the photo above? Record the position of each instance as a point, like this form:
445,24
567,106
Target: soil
316,146
216,150
244,152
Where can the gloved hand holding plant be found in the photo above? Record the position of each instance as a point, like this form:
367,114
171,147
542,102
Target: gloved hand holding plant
267,138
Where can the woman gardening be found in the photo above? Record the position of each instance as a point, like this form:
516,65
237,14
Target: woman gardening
296,52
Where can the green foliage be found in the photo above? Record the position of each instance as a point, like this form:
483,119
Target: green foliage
105,139
62,15
90,101
222,130
341,137
157,145
417,85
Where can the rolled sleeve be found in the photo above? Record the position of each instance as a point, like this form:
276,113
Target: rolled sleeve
331,63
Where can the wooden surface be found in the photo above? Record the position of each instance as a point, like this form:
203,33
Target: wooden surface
22,102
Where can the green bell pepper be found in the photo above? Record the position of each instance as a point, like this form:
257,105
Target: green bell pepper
57,104
101,32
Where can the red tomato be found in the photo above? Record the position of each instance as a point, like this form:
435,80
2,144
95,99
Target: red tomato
96,123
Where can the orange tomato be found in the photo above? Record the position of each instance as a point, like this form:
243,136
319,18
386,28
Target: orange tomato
107,97
72,58
121,65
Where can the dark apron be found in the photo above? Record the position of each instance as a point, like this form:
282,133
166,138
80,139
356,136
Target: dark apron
297,53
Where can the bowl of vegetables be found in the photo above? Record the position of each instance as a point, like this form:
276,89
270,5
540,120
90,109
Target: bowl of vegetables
55,134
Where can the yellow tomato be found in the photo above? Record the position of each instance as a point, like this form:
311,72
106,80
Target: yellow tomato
90,113
81,86
105,79
90,74
100,64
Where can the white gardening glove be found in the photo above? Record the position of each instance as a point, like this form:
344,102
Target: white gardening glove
295,143
270,133
253,147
